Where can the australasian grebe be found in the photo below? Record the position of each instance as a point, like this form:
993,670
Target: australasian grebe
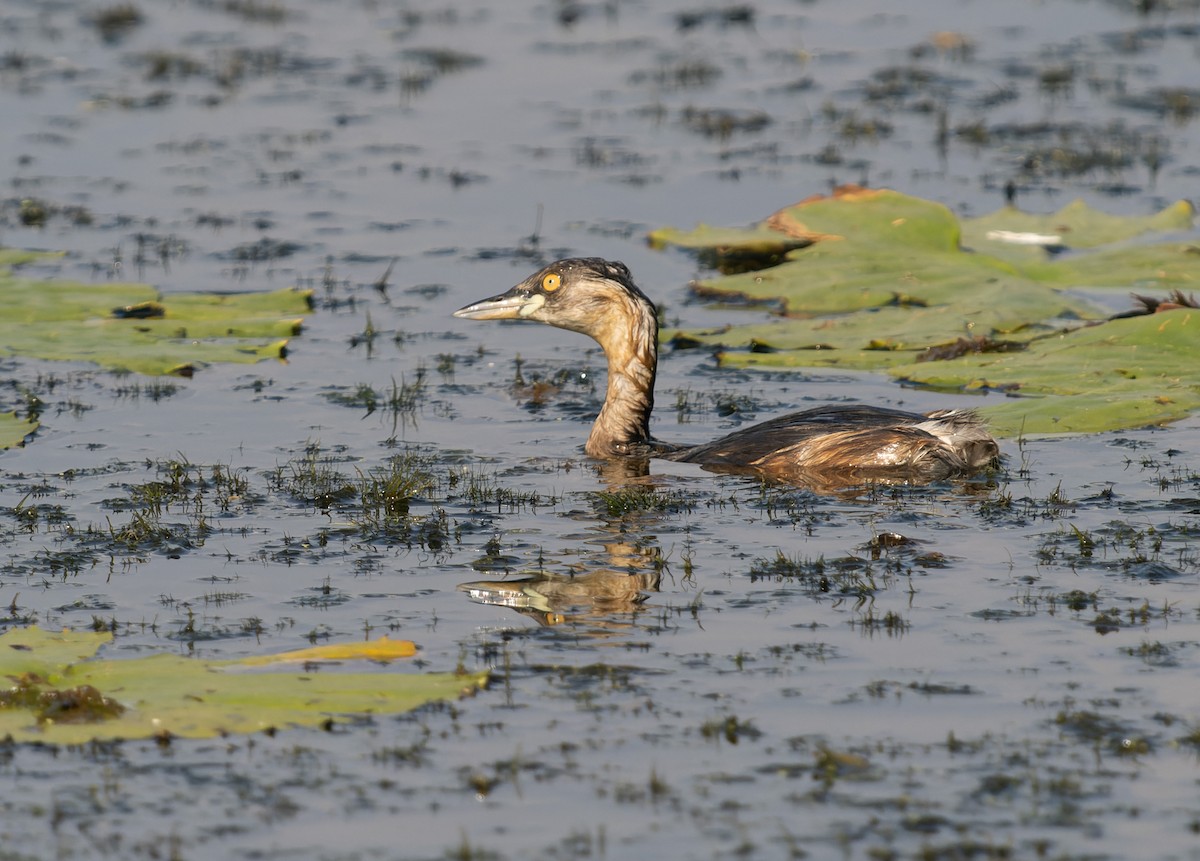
598,298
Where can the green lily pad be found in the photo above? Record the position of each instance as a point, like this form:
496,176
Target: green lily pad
1076,226
132,327
888,276
1120,374
731,249
14,429
10,257
59,693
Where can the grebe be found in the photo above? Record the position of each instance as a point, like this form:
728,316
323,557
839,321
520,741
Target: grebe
598,298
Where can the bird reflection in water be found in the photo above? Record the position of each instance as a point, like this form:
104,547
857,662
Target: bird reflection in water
553,599
600,596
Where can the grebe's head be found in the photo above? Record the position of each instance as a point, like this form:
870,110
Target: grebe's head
582,294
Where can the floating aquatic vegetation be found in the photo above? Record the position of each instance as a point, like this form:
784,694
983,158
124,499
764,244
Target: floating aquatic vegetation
723,123
134,327
62,694
882,280
14,428
115,22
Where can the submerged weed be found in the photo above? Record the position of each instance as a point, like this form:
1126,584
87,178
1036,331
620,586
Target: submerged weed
62,563
732,729
801,508
1154,654
314,479
386,492
484,492
890,623
402,402
114,22
146,531
846,577
1101,731
256,11
32,516
1149,552
690,405
635,498
153,390
361,396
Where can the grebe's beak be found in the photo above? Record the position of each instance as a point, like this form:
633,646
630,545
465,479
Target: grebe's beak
516,304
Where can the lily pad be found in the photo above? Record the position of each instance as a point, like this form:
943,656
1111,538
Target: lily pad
132,327
886,276
59,693
14,429
1123,373
732,249
10,257
1075,226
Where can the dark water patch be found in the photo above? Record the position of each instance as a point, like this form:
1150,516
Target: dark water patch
913,88
1153,571
609,153
847,576
1178,104
249,11
169,65
261,250
680,73
723,123
887,689
113,23
1094,727
738,15
1001,614
38,212
88,604
322,597
523,253
442,61
455,177
701,406
617,47
394,226
1155,653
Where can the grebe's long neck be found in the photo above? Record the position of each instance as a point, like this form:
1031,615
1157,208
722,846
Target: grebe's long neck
629,337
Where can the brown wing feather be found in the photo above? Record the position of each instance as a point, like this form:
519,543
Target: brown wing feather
855,439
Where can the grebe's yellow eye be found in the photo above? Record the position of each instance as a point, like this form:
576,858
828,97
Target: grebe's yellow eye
551,282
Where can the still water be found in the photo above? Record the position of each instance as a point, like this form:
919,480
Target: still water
1004,667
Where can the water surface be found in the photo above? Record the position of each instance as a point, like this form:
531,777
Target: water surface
1002,667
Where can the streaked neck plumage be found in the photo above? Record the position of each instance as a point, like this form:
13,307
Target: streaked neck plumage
628,335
